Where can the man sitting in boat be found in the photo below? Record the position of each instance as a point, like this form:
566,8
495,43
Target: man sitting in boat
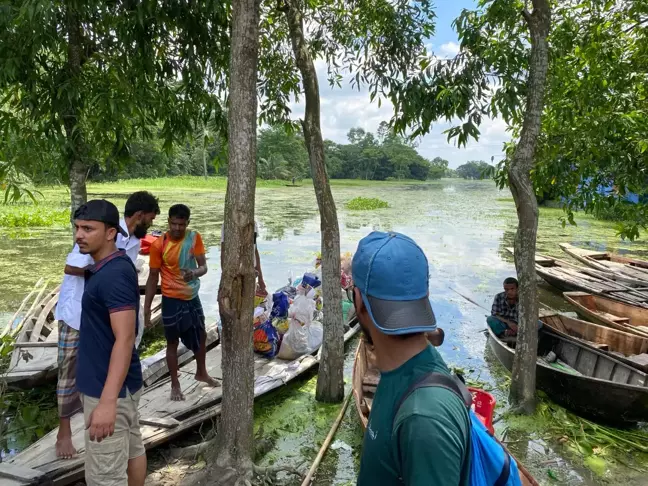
504,313
427,441
179,256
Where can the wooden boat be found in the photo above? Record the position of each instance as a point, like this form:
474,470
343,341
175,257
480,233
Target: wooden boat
568,277
628,348
584,380
34,358
628,270
365,381
160,418
602,257
618,315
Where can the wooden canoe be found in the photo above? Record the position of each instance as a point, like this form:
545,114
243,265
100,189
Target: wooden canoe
603,256
365,381
631,271
626,347
611,313
34,358
160,418
593,384
568,278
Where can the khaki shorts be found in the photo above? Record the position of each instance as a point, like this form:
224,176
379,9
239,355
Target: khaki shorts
106,462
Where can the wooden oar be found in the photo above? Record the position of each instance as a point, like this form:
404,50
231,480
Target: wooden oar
309,477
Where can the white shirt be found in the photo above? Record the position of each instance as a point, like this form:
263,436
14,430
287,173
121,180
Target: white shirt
129,243
68,308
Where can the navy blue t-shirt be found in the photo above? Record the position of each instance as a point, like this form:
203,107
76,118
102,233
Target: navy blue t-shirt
110,286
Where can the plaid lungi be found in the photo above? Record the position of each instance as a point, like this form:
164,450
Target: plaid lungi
67,395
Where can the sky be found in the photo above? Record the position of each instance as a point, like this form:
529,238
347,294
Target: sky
345,108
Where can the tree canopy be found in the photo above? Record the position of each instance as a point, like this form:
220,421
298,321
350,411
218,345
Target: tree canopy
593,133
474,169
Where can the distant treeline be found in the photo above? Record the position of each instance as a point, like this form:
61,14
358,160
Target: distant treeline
280,155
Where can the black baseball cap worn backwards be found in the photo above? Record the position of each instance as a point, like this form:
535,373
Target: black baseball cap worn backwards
100,210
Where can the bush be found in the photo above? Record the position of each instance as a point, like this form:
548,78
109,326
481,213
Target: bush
366,204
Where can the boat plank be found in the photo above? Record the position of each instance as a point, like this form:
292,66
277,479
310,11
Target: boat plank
23,475
200,404
42,317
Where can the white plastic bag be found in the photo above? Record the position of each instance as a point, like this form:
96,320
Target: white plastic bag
303,336
300,340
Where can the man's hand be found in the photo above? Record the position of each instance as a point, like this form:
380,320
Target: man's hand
188,275
262,286
147,319
102,421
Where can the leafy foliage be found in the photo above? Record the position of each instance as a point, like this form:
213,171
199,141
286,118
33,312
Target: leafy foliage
475,169
366,203
15,186
84,79
594,126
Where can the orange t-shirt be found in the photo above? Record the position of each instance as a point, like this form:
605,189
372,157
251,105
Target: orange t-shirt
173,256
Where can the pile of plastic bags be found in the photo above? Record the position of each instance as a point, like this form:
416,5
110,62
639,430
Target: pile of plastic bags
288,324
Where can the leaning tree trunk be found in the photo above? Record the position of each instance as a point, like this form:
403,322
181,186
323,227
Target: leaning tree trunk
237,285
330,381
75,150
524,365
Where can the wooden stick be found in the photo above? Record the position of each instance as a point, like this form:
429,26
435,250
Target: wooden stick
22,306
29,313
470,300
327,441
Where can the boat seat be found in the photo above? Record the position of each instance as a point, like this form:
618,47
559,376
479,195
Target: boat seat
612,317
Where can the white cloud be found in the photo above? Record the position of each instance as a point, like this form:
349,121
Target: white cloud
345,108
449,49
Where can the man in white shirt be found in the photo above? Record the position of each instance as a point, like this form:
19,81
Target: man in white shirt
140,212
141,209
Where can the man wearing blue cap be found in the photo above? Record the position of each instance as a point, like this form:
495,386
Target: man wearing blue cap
425,440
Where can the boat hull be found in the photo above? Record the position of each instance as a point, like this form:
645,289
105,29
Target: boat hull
614,340
611,313
598,399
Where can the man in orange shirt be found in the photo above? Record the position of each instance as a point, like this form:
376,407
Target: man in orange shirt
179,256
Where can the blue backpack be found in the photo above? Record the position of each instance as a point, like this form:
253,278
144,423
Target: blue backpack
491,464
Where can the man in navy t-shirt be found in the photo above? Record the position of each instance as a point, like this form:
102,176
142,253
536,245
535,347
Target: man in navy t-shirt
109,374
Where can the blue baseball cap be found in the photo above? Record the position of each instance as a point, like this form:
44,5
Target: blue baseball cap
392,273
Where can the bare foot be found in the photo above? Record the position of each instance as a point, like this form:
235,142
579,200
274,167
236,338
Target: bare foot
208,379
176,393
64,448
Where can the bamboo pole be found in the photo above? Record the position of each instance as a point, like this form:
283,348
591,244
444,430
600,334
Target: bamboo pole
22,306
29,313
309,477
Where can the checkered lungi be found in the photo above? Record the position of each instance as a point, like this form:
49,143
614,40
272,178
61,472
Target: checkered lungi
67,395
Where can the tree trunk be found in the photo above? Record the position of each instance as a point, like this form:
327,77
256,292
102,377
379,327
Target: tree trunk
524,365
330,381
75,150
237,285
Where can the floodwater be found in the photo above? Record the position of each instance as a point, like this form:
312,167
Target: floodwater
464,227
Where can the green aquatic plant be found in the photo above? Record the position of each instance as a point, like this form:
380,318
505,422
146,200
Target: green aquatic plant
32,216
366,203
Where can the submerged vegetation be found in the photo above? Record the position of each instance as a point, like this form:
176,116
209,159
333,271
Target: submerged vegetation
366,204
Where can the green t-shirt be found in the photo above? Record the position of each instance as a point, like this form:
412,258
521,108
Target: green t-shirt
429,443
